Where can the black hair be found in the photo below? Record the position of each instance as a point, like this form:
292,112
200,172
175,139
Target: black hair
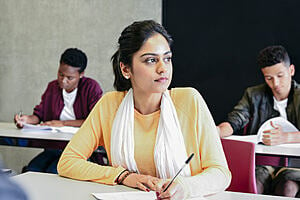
75,58
273,55
131,40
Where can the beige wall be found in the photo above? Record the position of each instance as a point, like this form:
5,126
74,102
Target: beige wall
34,33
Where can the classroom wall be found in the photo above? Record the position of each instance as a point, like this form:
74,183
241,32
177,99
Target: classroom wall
34,33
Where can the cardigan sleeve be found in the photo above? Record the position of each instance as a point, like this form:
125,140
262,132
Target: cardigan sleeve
215,175
73,162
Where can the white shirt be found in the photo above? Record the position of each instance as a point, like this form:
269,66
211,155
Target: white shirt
68,110
280,106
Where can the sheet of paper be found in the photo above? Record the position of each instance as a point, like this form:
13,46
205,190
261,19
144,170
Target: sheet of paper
31,127
126,195
285,124
35,128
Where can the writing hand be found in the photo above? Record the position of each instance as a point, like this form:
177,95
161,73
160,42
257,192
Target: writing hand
20,120
174,192
274,136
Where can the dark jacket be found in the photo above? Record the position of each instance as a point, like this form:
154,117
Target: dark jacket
256,106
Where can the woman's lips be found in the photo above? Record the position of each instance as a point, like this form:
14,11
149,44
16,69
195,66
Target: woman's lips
162,80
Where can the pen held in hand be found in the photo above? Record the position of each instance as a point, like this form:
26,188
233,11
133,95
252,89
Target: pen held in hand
186,163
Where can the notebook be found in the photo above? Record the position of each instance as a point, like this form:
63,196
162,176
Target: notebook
285,124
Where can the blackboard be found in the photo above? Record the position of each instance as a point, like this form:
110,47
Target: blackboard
216,44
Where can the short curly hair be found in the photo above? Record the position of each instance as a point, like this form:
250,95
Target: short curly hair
273,55
75,58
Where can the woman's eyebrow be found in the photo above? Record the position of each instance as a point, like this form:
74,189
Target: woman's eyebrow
154,54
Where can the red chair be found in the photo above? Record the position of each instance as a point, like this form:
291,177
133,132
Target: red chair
240,157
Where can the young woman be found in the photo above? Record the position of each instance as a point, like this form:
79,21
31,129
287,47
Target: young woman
147,130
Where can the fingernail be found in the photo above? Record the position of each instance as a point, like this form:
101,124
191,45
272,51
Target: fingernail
147,190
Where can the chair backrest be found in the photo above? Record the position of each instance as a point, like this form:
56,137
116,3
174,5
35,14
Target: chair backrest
240,157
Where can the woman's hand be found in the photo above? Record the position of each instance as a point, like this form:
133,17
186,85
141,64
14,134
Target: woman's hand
142,182
56,123
174,192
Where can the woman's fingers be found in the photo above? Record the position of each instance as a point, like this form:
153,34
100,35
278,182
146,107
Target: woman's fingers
141,186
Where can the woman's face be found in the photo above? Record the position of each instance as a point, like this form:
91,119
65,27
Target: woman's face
151,70
68,77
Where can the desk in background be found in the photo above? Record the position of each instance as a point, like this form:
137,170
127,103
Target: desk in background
56,140
51,186
290,151
46,139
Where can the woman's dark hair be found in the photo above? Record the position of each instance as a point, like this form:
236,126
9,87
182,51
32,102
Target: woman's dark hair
273,55
75,58
131,40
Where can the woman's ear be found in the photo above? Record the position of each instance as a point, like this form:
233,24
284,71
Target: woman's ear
125,70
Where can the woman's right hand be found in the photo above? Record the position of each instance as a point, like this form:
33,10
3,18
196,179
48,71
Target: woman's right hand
142,182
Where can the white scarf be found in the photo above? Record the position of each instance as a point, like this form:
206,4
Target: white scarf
169,152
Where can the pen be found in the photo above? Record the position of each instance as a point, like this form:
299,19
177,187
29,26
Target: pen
186,163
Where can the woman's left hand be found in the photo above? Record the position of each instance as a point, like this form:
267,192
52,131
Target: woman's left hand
142,182
174,192
56,123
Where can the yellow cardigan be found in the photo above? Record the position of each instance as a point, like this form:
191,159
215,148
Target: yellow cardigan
209,169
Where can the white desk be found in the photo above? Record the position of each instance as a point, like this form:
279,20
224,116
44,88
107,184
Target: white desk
51,186
7,126
11,131
291,150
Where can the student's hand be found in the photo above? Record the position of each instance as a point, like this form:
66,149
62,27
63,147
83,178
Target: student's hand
274,136
174,192
56,123
20,120
142,182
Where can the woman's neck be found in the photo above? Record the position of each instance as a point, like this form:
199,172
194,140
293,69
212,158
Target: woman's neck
146,103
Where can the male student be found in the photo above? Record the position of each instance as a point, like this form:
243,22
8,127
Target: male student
67,101
278,96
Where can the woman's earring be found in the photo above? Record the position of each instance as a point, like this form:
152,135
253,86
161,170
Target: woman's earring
126,77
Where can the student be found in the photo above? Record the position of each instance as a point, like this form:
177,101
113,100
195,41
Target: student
278,96
147,130
67,101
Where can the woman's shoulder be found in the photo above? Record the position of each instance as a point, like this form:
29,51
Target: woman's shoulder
185,94
112,98
186,98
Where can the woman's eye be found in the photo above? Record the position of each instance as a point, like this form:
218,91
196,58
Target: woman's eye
168,59
151,60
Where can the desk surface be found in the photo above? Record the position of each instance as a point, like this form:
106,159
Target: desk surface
51,186
281,150
10,130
